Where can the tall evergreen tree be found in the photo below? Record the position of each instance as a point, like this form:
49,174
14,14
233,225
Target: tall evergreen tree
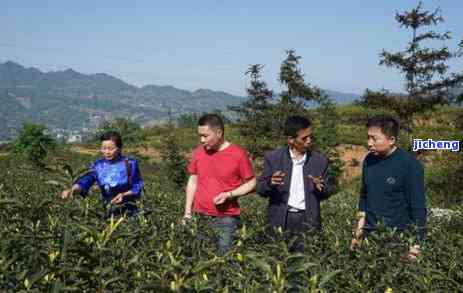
427,80
254,115
173,163
188,120
297,94
326,133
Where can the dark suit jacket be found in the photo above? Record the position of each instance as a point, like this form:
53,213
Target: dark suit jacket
316,165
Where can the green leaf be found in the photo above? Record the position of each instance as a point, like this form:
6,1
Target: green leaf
327,277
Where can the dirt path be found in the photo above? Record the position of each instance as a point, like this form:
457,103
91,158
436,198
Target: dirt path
149,152
83,150
352,156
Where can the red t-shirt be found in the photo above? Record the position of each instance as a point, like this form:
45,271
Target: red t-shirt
218,172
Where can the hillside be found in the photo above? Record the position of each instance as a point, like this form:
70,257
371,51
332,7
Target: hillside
72,100
69,100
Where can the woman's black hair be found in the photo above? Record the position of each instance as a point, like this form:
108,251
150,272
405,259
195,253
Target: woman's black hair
114,136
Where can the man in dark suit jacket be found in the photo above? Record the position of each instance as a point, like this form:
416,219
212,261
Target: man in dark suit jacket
295,179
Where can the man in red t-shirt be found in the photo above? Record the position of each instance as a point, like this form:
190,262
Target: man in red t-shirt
220,172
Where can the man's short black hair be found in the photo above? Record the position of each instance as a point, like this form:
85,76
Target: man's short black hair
388,125
294,124
211,120
114,136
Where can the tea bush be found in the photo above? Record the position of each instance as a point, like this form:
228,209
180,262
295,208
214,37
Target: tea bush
47,245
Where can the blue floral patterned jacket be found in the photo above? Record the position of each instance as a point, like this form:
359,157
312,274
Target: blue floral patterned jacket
112,179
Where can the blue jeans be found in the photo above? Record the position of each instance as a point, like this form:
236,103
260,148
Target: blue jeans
225,230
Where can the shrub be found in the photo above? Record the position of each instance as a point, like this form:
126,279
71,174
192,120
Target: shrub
130,130
33,143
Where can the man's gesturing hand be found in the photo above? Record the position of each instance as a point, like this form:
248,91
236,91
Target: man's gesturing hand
318,181
277,178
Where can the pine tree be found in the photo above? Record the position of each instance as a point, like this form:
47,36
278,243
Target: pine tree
254,115
173,164
326,133
298,93
426,78
188,120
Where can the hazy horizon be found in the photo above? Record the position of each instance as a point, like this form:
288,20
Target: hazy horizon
210,44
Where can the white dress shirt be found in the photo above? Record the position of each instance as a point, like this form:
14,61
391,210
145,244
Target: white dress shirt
296,191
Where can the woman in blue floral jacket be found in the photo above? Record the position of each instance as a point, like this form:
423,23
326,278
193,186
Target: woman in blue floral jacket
117,176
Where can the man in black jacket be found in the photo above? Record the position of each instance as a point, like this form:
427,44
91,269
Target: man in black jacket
393,188
295,179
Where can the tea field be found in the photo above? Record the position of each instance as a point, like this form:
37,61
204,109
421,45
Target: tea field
49,245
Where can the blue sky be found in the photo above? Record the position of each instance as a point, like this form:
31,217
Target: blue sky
209,44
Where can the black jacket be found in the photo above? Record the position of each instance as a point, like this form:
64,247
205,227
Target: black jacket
316,165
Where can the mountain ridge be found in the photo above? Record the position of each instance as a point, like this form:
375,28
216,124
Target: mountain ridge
70,100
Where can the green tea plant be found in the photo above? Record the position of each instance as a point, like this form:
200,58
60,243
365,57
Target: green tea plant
50,245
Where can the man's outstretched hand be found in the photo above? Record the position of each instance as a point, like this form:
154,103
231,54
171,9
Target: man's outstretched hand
318,181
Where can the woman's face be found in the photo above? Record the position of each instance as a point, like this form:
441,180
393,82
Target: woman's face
109,150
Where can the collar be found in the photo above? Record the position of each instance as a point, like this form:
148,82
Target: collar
116,160
293,157
390,155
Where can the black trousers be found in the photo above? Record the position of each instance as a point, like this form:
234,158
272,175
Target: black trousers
295,222
297,229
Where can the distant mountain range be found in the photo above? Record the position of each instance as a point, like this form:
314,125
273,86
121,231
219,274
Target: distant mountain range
70,100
